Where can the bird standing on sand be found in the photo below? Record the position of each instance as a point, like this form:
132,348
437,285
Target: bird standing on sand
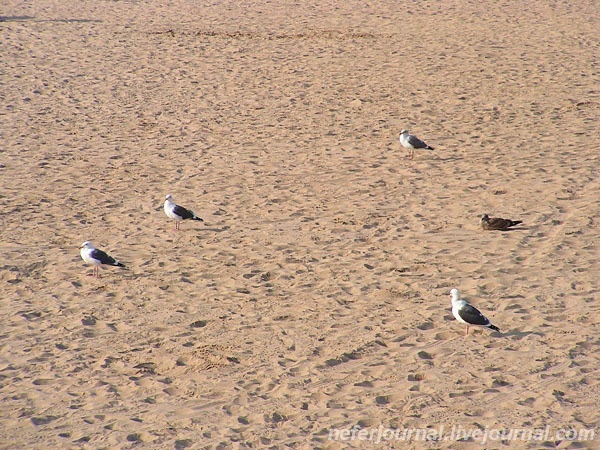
467,314
411,142
497,223
178,213
92,255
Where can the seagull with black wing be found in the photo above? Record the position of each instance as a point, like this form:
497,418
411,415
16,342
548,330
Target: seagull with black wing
468,314
178,213
411,142
97,257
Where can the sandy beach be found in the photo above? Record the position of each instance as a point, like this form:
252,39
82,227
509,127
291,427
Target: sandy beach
313,302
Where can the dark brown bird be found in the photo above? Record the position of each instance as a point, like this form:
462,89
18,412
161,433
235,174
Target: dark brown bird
497,223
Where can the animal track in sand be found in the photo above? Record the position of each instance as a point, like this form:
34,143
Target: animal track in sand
580,105
552,378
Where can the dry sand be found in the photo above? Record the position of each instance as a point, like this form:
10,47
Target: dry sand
315,296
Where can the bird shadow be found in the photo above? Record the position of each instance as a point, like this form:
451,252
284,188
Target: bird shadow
451,158
15,18
33,19
508,230
218,230
518,335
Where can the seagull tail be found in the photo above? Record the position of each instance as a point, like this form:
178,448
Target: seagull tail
429,147
118,264
494,327
515,222
197,218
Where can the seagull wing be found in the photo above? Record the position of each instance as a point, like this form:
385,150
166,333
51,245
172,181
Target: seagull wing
471,315
497,223
183,212
103,257
416,142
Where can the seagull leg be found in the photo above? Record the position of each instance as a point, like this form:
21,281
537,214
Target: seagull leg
467,332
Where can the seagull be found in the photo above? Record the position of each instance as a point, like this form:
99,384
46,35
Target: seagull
497,223
412,142
467,314
92,255
178,213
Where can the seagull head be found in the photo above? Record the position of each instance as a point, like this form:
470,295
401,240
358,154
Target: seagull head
485,217
455,294
168,197
404,132
87,244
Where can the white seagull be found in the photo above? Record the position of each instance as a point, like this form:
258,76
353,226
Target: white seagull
467,314
411,142
92,255
178,213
